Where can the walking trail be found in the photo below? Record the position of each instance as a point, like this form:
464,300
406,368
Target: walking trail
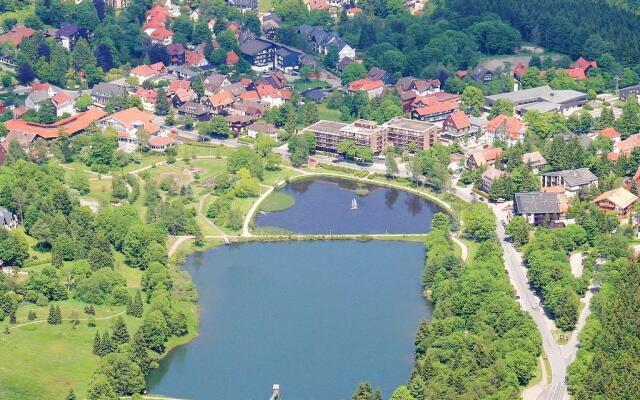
40,321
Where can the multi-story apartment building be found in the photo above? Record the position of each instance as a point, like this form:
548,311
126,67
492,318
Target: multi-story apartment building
397,132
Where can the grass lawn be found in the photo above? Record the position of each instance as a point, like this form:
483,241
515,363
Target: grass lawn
189,150
208,167
100,191
328,114
472,247
277,201
265,5
302,85
20,15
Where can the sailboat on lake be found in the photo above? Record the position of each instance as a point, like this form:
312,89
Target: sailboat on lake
354,204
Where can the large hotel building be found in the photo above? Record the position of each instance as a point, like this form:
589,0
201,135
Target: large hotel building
398,132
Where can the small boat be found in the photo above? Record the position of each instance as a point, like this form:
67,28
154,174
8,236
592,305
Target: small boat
354,204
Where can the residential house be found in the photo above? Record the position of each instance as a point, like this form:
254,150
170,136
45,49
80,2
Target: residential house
35,99
161,36
506,128
322,40
196,111
271,23
456,125
176,54
378,74
540,208
176,84
486,157
256,129
102,93
272,96
143,72
519,71
629,91
182,96
536,160
232,58
244,5
8,220
435,111
482,75
610,133
118,4
149,98
353,11
573,180
68,35
195,59
160,143
128,124
237,123
219,101
317,5
213,83
16,35
584,65
370,87
63,104
618,200
24,139
259,53
625,147
489,176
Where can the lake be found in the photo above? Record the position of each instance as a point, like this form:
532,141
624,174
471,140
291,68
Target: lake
315,317
324,206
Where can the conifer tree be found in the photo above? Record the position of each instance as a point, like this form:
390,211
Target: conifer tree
129,306
138,307
58,315
12,316
71,395
162,104
107,344
97,344
120,332
139,352
54,317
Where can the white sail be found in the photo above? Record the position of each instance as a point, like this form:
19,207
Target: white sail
354,204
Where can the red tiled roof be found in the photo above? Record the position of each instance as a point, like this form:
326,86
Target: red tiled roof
70,125
158,11
176,84
232,58
161,141
61,99
519,70
584,64
610,133
365,84
629,143
185,94
161,34
147,95
193,58
143,70
16,35
250,95
221,99
131,115
354,10
245,82
461,74
37,86
611,156
436,108
576,73
318,5
460,120
512,125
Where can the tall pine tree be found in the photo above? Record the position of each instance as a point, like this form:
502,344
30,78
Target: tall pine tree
97,344
120,332
138,307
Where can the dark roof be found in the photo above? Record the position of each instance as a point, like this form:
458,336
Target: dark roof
315,94
67,30
191,107
252,47
537,203
478,73
6,216
107,89
575,177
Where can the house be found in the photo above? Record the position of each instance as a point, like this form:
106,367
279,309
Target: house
272,96
102,93
129,124
489,176
287,59
629,91
219,101
244,5
353,11
259,53
610,133
619,201
71,126
161,36
519,71
176,54
63,104
625,147
68,35
149,98
237,123
420,87
435,111
270,25
8,220
196,111
483,157
256,129
176,84
456,125
24,139
195,59
573,180
504,128
542,99
35,99
232,58
213,83
160,143
143,72
540,208
182,96
16,35
584,65
317,5
367,85
321,40
482,75
378,74
536,160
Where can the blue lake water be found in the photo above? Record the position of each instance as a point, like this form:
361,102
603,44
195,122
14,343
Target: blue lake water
324,207
314,317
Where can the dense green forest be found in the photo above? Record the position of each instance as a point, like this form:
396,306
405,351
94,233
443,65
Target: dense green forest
478,341
607,363
573,27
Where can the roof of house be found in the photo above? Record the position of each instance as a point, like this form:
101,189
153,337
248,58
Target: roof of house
576,73
512,125
575,177
143,70
250,95
376,73
492,174
17,34
70,125
251,47
610,133
483,157
584,64
459,120
175,49
132,116
365,84
232,58
176,84
629,143
161,34
620,197
24,139
221,99
67,30
520,70
61,99
193,108
437,107
38,97
318,4
6,216
354,10
263,128
541,93
538,203
147,95
185,95
107,89
535,158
